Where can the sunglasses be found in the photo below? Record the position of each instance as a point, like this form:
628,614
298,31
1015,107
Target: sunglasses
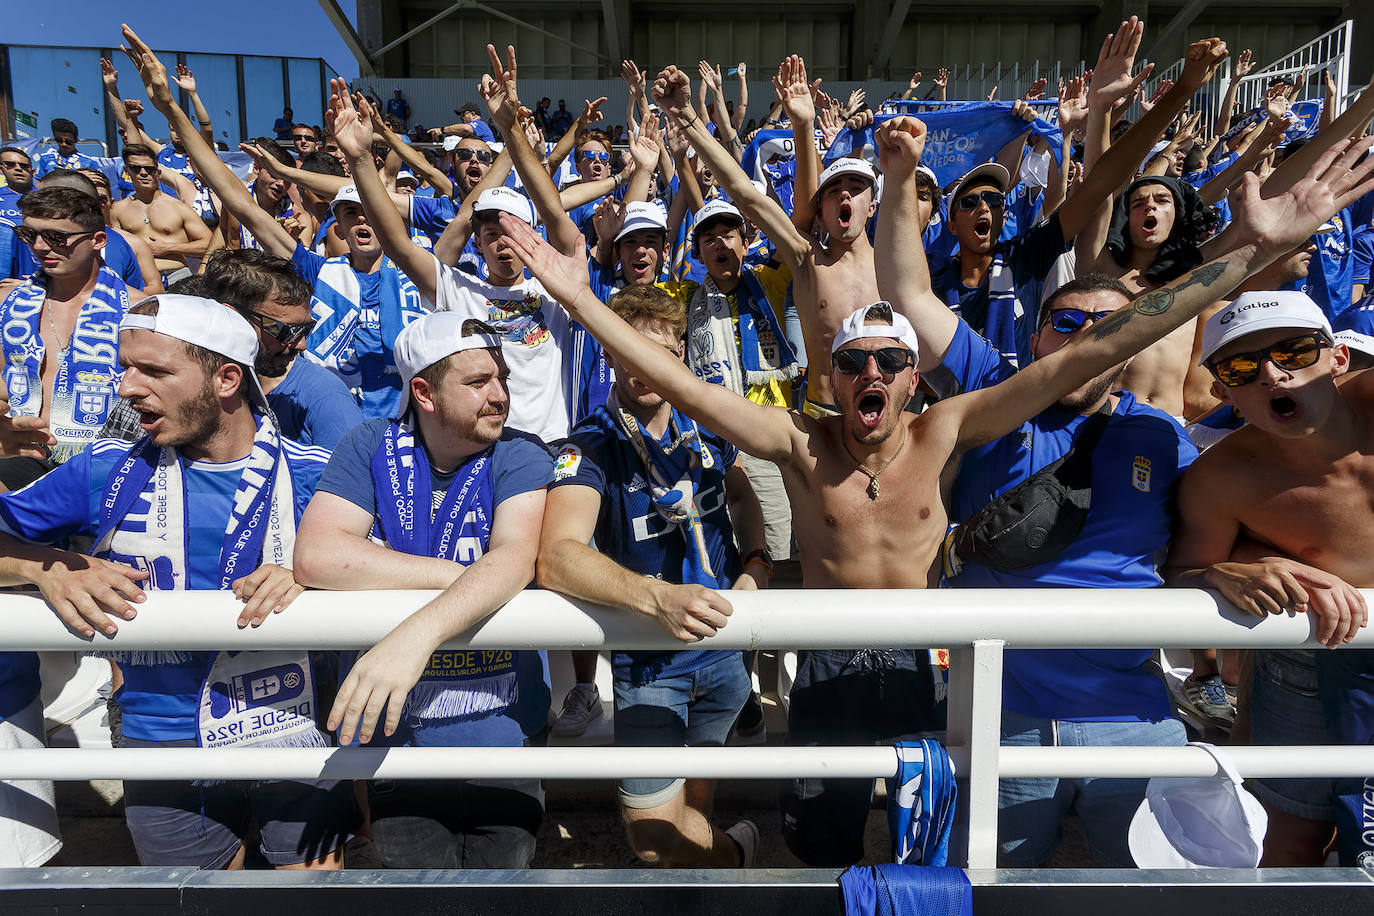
593,156
890,360
302,136
1066,321
969,202
280,331
150,169
484,156
1290,355
24,166
55,238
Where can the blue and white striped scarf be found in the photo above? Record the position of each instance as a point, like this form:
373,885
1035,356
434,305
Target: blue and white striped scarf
337,306
285,209
89,372
920,804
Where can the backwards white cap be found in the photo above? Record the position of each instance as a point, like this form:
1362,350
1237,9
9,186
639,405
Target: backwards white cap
1199,821
206,324
506,200
430,338
890,324
1261,311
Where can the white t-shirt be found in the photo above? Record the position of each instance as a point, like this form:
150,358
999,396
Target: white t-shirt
538,341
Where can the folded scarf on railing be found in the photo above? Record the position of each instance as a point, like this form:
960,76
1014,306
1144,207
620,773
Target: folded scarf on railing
913,890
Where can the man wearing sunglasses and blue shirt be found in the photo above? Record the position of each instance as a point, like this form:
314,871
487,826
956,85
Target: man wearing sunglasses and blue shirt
1277,517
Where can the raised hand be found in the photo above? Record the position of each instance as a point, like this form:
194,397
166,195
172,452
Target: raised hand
828,120
992,95
564,276
1036,90
533,134
150,70
1112,79
710,76
185,79
672,91
1276,102
675,140
1329,82
351,124
634,77
793,91
742,68
1160,90
941,77
499,92
108,74
914,81
591,110
1201,62
1022,110
900,142
1280,223
1073,105
1243,65
608,217
644,147
134,107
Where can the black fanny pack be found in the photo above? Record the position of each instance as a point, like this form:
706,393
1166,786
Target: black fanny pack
1036,519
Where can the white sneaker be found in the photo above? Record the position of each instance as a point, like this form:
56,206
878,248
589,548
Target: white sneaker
581,707
746,834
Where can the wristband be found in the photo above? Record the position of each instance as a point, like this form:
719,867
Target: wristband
761,555
759,563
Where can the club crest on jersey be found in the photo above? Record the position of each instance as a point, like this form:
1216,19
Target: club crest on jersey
1140,474
568,461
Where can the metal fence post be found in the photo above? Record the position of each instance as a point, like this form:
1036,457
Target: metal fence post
975,724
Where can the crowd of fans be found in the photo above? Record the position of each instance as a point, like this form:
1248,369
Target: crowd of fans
1126,354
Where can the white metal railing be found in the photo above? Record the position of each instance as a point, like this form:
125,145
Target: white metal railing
975,624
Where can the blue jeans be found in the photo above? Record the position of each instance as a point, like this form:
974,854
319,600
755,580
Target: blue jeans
694,709
1029,810
1285,708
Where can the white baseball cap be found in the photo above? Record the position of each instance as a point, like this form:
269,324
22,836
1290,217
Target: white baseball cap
451,143
846,165
928,175
715,208
642,215
1199,821
506,200
407,175
893,324
207,324
430,338
347,194
1261,311
993,172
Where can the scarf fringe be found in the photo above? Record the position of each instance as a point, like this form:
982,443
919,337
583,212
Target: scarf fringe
143,658
447,699
787,373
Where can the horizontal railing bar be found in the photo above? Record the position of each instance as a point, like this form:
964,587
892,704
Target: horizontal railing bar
648,762
793,619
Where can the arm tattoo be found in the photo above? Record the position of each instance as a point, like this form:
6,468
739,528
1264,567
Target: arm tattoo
1159,301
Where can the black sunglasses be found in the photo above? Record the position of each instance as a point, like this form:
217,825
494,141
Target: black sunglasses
1066,321
302,136
284,333
55,238
484,156
969,202
890,360
1290,355
26,166
150,169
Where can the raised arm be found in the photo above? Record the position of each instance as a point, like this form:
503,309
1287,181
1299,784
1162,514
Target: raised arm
672,92
1264,230
352,128
232,192
449,247
109,76
383,677
765,432
898,251
737,119
187,81
415,160
503,101
911,85
939,85
798,101
1239,70
1247,161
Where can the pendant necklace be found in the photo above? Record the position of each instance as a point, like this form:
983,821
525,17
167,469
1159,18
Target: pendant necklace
873,487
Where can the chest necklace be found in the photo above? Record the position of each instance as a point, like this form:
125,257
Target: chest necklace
873,486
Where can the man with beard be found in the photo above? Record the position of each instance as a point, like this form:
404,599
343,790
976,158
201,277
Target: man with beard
233,489
867,511
1068,697
175,233
447,497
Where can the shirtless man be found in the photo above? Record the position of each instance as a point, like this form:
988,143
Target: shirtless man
868,512
171,228
828,281
1294,484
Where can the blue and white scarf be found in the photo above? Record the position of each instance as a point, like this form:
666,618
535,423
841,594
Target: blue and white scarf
454,684
920,804
337,306
285,209
762,355
674,472
1004,312
88,373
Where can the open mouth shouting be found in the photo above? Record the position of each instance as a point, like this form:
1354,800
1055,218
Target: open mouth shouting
982,229
872,404
640,267
846,215
1150,224
1284,408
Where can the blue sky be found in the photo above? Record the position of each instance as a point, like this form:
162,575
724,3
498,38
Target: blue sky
291,28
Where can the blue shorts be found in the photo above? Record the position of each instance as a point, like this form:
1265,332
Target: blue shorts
1285,709
1029,811
183,823
694,709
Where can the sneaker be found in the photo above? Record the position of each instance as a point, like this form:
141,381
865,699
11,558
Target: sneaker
1206,696
749,727
581,707
1232,694
746,837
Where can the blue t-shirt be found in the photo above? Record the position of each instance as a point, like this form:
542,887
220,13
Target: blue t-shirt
313,406
1029,256
630,531
1359,317
9,206
1331,275
519,464
169,158
1136,466
1364,255
158,702
431,216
